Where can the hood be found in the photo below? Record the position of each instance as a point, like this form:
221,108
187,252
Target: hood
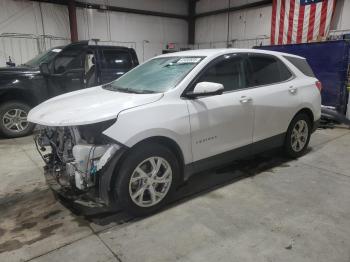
87,106
18,71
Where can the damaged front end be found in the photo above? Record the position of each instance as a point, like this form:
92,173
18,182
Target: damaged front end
79,161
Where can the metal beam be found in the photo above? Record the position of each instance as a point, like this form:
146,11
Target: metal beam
73,20
235,8
115,9
191,21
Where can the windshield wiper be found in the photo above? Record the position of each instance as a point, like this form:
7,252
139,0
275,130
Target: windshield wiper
127,90
145,91
116,88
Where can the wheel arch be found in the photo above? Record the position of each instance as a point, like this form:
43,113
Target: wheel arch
17,95
111,172
309,113
169,143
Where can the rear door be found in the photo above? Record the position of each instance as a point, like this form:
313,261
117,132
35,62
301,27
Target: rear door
115,62
275,98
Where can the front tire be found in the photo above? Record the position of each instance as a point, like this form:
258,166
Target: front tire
298,136
146,179
13,119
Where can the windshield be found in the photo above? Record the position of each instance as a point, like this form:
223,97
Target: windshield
155,76
43,57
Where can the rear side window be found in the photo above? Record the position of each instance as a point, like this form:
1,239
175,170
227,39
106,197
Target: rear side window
116,59
266,69
301,64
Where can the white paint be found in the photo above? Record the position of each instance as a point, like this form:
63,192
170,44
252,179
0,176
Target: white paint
210,116
86,106
186,121
207,87
107,156
224,120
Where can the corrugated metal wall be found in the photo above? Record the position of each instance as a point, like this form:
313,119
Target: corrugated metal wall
27,27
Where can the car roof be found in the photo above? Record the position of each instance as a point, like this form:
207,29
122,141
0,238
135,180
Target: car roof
223,51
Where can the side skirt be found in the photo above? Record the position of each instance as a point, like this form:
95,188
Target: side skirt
235,154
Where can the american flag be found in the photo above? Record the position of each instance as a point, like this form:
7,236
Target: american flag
300,21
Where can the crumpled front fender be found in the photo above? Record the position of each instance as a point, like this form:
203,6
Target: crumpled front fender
106,176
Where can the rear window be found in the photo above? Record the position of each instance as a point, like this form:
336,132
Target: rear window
116,59
266,69
301,64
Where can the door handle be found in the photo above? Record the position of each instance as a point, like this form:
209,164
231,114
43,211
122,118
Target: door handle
245,100
293,90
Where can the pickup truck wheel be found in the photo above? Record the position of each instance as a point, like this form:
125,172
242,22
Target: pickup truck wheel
13,119
146,179
298,136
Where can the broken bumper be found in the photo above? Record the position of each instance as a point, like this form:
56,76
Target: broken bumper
69,193
97,196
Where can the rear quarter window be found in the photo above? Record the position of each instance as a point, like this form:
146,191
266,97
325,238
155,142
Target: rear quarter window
301,64
266,70
116,59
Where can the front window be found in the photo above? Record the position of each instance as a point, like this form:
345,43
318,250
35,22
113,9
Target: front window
228,71
71,58
43,57
155,76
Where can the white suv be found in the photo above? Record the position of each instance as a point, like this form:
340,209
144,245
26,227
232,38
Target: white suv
132,142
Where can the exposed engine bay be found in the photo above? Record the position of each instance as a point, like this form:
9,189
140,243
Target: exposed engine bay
75,156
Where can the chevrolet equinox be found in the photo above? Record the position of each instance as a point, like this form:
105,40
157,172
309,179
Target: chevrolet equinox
132,142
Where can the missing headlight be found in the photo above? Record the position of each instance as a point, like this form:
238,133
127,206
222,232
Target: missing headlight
92,133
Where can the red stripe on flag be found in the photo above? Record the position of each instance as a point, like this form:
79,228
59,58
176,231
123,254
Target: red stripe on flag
323,18
281,28
273,22
300,24
290,19
310,32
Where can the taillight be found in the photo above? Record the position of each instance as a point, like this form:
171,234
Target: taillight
319,86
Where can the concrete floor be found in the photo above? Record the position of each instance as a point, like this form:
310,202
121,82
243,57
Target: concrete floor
263,209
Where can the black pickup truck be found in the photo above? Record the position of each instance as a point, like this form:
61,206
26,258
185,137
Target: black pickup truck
59,70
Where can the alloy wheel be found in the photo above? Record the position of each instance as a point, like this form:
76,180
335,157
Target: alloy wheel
15,120
150,182
299,135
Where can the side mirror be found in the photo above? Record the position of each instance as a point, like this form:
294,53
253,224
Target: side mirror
44,69
206,89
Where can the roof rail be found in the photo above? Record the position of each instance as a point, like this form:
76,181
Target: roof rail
98,42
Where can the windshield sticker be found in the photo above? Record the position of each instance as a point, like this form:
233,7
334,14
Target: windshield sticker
56,50
189,60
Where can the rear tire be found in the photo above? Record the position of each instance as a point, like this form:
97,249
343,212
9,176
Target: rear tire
13,119
146,179
298,136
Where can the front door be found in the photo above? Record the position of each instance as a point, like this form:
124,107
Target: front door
221,123
68,72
